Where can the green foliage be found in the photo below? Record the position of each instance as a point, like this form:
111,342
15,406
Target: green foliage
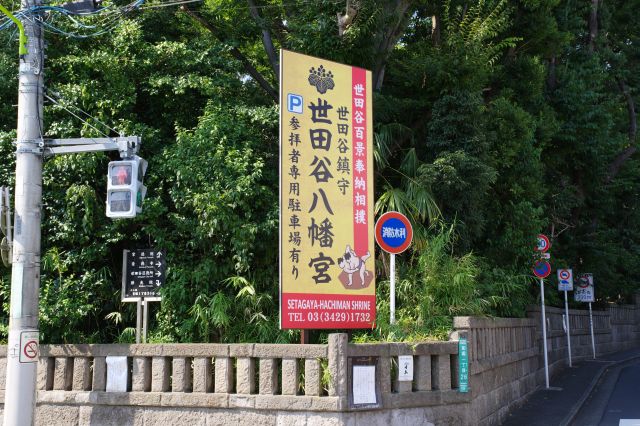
437,285
499,117
477,28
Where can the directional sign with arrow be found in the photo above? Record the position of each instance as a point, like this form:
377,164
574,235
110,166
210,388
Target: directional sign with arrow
143,274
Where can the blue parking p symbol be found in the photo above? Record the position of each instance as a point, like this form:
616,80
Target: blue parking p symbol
294,103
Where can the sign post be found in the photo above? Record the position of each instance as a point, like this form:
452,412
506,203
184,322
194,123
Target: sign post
393,234
593,342
565,283
327,269
585,293
542,269
143,273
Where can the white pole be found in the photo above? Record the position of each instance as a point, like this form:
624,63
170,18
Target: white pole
392,296
544,334
7,194
145,321
20,395
593,341
138,320
566,311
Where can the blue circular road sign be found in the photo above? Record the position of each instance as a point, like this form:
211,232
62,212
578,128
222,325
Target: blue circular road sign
541,269
393,232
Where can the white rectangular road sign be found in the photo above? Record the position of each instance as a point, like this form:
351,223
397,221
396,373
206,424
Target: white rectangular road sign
584,291
565,280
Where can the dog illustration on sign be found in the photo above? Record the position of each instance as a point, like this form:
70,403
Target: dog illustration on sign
351,263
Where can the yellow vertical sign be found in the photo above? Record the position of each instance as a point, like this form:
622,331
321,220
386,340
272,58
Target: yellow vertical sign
327,277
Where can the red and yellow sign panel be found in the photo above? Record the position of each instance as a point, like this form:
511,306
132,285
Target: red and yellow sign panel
327,277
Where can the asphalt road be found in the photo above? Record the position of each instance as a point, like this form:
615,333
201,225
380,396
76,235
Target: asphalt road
615,401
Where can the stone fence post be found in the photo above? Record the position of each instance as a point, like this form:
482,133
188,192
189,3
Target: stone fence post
338,367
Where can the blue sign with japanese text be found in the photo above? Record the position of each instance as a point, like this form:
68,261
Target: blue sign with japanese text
463,360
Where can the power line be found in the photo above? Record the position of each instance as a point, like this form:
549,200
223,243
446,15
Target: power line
175,3
60,99
113,16
110,17
266,6
76,116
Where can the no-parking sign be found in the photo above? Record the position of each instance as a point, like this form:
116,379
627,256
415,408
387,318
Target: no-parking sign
542,269
565,280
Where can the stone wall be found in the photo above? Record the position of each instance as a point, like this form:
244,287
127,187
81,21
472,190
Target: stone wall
259,384
507,362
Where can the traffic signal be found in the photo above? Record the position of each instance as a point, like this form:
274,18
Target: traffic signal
125,190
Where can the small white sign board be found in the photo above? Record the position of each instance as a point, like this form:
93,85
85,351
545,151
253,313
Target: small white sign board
565,280
117,374
29,346
405,368
364,384
584,289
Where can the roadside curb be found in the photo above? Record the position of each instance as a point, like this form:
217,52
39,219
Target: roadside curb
578,405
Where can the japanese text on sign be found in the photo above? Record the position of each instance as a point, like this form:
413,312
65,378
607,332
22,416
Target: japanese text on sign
143,273
326,190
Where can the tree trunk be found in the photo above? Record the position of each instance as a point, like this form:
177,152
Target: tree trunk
250,69
435,30
593,25
616,164
399,21
552,80
267,41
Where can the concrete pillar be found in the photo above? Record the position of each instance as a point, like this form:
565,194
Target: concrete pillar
422,372
338,347
384,375
159,374
441,372
82,374
3,373
245,375
99,382
45,373
181,380
141,377
202,378
268,376
455,371
63,373
223,375
290,373
312,377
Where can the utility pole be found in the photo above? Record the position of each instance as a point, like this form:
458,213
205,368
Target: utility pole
22,354
31,147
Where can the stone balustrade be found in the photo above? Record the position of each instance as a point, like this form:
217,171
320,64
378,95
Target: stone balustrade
256,376
256,384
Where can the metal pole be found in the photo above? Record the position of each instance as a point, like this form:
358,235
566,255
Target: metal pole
593,341
20,395
566,311
7,202
138,320
145,321
544,334
392,297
